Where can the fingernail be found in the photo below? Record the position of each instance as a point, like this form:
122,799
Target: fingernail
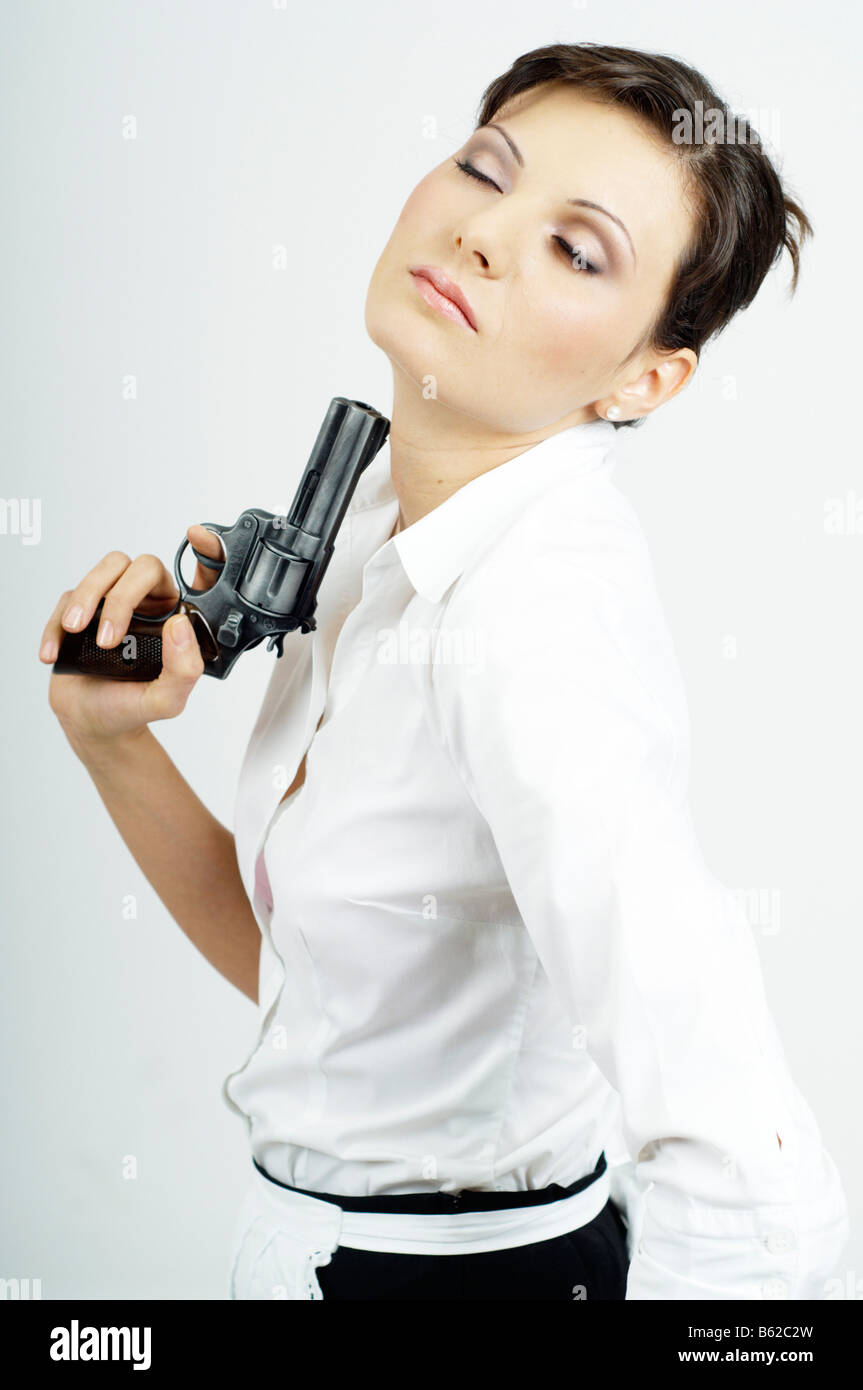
73,615
181,631
49,650
106,632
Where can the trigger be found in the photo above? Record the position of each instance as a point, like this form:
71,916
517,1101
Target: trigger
276,642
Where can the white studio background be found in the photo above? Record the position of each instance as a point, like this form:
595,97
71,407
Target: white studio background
260,126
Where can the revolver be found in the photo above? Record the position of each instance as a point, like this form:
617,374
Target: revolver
271,572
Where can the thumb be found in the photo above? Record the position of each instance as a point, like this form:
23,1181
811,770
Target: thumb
182,664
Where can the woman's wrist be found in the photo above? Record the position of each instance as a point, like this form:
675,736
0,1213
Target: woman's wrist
97,751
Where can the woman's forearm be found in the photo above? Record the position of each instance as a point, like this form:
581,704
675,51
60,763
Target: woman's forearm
186,854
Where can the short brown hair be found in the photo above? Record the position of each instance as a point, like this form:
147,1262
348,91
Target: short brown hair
743,215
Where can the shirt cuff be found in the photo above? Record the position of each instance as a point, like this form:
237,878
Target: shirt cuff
681,1249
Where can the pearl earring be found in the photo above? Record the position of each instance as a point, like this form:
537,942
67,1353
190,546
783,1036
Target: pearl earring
613,412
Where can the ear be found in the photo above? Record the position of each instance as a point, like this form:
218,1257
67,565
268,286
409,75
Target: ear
668,375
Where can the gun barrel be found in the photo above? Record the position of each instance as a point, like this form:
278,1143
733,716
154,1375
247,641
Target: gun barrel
349,438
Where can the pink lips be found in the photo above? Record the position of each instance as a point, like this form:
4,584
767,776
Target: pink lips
443,294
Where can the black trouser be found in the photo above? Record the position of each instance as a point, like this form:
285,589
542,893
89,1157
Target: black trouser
589,1263
586,1264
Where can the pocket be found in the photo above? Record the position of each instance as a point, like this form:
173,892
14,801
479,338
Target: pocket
246,1255
247,1215
272,1263
286,1268
357,1274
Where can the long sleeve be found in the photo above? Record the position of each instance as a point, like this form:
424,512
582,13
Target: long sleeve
572,738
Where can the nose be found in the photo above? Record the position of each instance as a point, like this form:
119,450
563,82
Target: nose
459,241
496,237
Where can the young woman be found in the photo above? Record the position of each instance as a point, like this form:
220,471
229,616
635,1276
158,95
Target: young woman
487,932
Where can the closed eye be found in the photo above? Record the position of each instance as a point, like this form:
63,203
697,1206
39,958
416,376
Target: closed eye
580,262
583,263
473,173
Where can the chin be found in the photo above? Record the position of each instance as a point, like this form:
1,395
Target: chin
427,355
400,332
384,316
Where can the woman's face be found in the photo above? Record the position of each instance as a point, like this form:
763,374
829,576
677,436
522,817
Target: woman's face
551,328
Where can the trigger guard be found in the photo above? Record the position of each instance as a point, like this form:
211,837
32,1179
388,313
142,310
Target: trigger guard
184,589
217,530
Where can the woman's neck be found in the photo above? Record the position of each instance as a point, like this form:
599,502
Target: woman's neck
434,451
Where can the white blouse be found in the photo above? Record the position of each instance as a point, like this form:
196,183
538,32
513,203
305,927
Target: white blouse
491,946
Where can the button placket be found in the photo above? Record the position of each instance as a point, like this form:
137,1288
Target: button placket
356,640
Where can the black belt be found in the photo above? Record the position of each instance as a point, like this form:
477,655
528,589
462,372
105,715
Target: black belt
470,1199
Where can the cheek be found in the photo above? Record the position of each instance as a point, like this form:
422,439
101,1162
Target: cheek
410,234
556,330
569,335
423,209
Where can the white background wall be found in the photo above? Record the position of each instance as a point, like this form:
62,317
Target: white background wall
303,127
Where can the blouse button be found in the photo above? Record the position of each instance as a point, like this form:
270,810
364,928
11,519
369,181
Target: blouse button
774,1288
778,1242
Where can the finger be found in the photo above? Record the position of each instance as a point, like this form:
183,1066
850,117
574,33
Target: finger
210,544
52,633
146,578
75,607
166,696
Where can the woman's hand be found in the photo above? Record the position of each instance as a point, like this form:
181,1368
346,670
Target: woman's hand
98,710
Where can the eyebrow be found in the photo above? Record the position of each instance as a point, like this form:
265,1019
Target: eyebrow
576,202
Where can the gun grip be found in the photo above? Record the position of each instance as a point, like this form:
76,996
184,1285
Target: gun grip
138,657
